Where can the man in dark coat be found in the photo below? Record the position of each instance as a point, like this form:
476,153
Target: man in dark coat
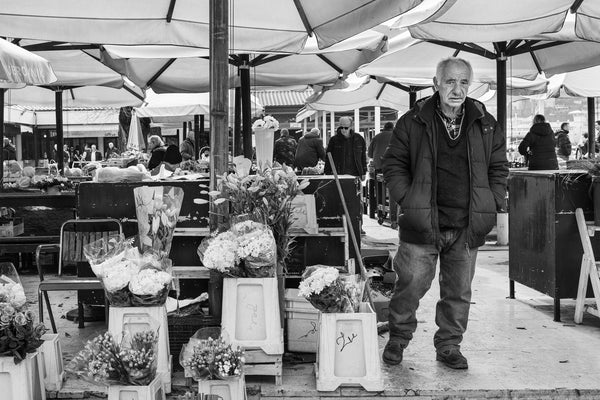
310,150
563,143
446,164
284,150
348,150
9,152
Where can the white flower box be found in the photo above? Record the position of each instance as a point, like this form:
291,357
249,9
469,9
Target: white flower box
21,381
230,389
137,319
153,391
348,351
52,362
251,314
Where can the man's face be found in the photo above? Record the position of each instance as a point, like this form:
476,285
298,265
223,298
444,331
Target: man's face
453,85
567,127
345,127
93,147
110,145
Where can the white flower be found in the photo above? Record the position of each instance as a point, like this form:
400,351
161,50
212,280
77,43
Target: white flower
149,281
267,122
317,281
13,294
221,254
116,276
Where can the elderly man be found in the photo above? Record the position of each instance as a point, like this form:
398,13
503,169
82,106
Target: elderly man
446,164
187,147
348,150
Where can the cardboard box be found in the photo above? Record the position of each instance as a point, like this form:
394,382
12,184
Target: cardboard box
10,227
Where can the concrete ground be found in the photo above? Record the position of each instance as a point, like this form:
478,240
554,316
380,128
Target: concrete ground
514,347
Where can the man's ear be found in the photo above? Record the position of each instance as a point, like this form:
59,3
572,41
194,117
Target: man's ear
435,83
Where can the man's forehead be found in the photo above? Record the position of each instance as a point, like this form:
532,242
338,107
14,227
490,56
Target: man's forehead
456,71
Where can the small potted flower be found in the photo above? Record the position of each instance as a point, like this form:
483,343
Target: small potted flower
125,366
215,364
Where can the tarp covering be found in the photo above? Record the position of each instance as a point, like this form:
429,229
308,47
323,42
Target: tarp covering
19,66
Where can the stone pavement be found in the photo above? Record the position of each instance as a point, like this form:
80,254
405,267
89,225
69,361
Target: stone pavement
515,349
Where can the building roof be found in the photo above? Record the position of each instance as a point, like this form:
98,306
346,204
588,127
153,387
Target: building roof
282,97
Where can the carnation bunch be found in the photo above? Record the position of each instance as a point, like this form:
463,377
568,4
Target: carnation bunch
105,362
214,359
325,289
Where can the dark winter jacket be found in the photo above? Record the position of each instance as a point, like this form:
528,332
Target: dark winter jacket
9,152
563,143
409,168
338,145
377,147
539,142
284,150
310,150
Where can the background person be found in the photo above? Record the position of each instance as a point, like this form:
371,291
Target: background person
9,151
348,150
310,150
112,151
563,143
538,145
284,150
186,148
93,154
375,151
161,154
446,163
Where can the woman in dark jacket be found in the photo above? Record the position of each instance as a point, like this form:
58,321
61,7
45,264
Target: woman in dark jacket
538,145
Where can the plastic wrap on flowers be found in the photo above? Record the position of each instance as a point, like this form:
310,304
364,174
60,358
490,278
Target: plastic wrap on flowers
257,247
151,285
208,356
219,252
323,287
157,209
138,356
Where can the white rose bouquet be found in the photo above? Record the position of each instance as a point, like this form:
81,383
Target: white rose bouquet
11,292
325,289
266,122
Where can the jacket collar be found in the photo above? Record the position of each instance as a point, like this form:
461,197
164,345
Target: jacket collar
426,110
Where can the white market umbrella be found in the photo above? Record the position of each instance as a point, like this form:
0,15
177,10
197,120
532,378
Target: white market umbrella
21,67
176,69
255,25
135,139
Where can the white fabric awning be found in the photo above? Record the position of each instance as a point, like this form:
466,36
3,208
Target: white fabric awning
20,67
256,25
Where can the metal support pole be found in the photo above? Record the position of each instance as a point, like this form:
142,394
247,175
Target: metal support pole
238,139
246,105
501,86
197,137
591,106
60,159
2,91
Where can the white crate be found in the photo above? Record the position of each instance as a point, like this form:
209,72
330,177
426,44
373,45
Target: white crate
136,319
230,389
22,381
348,351
251,314
52,362
302,329
153,391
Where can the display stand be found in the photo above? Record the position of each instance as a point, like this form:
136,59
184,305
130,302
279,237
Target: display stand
348,351
137,319
22,381
52,362
302,321
590,270
229,389
153,391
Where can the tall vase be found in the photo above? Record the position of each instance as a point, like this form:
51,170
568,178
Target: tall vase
264,146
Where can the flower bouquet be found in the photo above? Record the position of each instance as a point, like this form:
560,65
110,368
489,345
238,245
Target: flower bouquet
157,209
48,181
106,362
19,334
248,249
128,277
325,289
212,359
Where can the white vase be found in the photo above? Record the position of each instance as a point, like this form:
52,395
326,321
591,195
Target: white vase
264,139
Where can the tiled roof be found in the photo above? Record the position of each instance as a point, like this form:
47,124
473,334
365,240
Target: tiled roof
282,97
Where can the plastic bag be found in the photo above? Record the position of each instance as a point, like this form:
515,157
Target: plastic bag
257,248
139,356
151,285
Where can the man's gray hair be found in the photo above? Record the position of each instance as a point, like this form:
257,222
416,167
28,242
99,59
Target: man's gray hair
157,139
446,62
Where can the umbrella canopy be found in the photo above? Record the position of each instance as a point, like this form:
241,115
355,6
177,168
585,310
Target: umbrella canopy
256,25
582,83
464,20
20,67
175,69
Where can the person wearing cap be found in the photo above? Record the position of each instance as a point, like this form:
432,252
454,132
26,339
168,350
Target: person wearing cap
348,150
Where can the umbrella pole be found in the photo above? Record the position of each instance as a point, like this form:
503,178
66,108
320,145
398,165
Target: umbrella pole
60,159
2,91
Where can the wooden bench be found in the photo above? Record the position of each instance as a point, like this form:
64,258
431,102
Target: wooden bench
25,246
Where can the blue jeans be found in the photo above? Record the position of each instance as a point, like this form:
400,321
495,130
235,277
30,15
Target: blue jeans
415,266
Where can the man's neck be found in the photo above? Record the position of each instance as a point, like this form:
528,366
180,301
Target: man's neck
450,112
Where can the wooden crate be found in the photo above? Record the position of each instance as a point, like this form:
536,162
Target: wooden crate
136,319
251,314
348,351
260,363
230,389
